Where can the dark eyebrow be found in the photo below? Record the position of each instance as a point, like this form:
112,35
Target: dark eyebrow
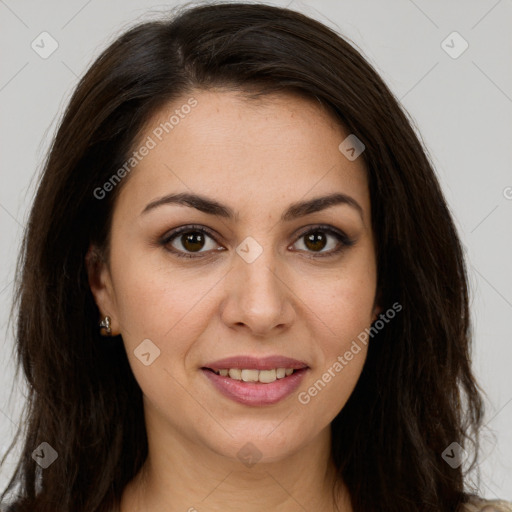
294,211
302,208
201,203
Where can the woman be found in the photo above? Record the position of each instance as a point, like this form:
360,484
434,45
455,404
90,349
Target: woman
241,287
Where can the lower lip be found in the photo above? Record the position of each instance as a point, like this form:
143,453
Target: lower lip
256,393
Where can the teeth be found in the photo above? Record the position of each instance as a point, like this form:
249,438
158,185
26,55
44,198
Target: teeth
267,376
249,375
235,373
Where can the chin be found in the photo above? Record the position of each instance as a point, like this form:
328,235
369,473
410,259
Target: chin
257,445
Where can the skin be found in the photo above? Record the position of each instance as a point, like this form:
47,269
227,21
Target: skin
257,157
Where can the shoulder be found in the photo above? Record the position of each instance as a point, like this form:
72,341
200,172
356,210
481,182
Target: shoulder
477,504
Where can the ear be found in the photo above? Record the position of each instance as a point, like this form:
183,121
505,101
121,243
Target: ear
100,283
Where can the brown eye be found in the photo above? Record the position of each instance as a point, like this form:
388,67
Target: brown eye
317,239
193,241
187,240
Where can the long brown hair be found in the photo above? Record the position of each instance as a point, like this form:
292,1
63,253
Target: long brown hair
416,394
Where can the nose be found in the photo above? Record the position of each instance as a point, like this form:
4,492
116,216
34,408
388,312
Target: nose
258,296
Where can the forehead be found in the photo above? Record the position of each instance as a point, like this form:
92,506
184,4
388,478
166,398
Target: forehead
252,153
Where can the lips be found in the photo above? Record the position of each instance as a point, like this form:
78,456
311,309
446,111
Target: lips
255,393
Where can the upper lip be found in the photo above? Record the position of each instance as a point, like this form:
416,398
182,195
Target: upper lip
256,363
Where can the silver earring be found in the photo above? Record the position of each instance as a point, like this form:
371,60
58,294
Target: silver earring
105,324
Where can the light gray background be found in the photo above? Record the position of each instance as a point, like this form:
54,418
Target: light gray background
462,107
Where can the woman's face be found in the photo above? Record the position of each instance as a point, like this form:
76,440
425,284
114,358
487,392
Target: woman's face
261,271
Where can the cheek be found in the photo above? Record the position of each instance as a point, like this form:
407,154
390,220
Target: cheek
345,306
344,311
171,312
170,307
343,350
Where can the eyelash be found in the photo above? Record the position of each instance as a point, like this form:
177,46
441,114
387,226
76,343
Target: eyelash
342,238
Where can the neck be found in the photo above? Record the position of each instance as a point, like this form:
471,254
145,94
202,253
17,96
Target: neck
180,475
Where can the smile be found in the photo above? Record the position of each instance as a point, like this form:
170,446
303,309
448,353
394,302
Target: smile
264,376
245,386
